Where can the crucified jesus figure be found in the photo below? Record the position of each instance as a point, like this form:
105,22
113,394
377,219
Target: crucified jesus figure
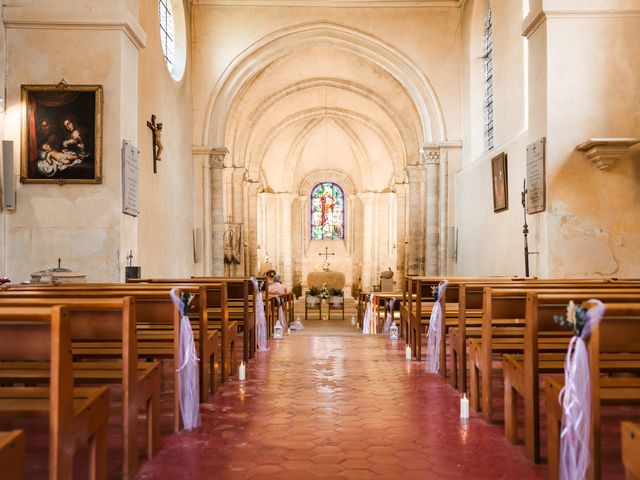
156,128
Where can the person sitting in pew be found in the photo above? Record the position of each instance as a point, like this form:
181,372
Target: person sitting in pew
277,288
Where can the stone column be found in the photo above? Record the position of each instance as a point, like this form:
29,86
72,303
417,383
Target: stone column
286,236
401,232
368,200
216,162
202,204
251,188
415,207
432,219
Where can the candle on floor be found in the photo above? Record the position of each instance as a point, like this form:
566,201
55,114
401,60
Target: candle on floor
464,406
242,372
407,352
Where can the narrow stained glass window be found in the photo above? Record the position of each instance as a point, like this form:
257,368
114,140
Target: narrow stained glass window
327,212
167,32
488,94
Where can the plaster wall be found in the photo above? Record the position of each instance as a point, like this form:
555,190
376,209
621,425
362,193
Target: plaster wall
491,243
582,83
79,223
46,41
594,85
166,221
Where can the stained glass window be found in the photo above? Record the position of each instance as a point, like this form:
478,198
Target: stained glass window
327,212
167,33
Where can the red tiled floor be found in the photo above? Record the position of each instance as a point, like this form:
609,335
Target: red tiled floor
338,407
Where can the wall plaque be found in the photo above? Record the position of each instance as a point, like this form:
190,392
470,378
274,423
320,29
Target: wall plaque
130,156
536,182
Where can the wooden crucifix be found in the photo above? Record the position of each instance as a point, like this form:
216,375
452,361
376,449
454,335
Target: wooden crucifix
326,254
156,129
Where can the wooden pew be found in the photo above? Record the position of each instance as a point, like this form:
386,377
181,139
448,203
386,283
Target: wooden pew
502,332
630,433
111,320
618,333
417,306
470,305
240,303
214,314
12,455
522,371
158,325
77,416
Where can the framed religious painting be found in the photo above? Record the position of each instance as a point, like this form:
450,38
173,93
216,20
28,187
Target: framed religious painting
61,134
500,185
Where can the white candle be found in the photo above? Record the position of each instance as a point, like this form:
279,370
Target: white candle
242,373
464,406
407,352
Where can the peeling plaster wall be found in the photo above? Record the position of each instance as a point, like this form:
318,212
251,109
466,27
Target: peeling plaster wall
583,82
594,91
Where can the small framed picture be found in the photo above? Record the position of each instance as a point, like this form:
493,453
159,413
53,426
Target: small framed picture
500,185
61,134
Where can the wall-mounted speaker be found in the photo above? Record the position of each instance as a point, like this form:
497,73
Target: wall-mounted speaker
197,244
8,185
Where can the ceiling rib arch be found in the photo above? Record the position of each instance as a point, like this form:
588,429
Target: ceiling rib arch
258,56
395,154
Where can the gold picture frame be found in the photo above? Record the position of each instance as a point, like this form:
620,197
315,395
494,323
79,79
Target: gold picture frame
61,134
500,183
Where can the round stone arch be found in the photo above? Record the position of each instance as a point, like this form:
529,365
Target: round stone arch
250,62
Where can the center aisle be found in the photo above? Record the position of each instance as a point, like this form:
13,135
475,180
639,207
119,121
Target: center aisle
338,407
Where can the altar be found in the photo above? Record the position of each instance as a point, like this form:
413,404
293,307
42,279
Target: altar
330,279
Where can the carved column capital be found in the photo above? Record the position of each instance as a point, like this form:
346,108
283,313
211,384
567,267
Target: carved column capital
431,154
217,157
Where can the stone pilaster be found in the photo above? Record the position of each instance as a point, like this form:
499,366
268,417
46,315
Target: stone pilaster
415,207
431,155
251,189
368,200
286,236
216,164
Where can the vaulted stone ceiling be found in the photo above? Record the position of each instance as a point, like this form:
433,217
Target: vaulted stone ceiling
321,107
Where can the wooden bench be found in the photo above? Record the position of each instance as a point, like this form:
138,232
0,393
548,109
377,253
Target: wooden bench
12,455
98,321
240,304
77,416
630,433
618,333
418,304
522,371
470,305
157,322
502,332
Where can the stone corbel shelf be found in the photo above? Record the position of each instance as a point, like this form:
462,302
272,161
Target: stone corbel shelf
603,152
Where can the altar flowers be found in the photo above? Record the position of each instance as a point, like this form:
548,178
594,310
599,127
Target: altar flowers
189,386
262,342
434,334
575,397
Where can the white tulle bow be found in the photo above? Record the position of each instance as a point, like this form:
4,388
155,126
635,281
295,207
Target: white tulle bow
575,397
434,335
189,387
366,321
262,342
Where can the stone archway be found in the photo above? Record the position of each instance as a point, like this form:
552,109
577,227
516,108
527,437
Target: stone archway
365,116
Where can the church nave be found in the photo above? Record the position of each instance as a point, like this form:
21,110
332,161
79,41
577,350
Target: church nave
338,407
